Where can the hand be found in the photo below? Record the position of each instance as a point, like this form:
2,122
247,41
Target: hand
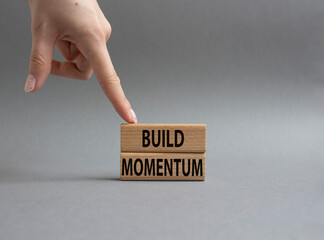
79,30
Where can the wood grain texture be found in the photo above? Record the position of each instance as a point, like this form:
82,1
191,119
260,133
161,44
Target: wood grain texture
162,166
167,138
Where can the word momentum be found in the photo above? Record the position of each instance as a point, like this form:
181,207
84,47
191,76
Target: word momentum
189,138
162,166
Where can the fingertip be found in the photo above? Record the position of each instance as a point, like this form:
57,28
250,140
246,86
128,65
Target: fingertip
126,113
34,82
30,84
133,116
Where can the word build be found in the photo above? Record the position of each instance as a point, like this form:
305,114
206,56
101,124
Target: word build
163,152
163,138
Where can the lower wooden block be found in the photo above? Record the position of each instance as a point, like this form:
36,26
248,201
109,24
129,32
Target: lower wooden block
162,166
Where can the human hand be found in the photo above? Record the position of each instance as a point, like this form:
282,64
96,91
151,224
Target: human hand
79,30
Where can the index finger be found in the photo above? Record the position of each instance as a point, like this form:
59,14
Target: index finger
109,81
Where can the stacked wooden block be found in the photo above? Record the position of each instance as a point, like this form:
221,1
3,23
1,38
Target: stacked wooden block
163,152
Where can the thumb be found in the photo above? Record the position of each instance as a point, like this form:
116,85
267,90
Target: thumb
40,61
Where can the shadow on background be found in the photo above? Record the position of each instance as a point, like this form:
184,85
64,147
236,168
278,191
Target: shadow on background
21,175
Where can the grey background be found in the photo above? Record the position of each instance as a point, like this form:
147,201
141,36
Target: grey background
252,70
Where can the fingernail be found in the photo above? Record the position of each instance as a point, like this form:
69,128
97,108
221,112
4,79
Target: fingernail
133,116
30,83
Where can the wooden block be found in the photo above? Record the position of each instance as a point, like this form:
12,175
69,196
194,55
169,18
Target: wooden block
162,166
189,138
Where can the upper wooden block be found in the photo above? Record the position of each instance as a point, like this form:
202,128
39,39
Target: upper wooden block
189,138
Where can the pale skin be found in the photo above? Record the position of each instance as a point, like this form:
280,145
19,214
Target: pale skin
79,30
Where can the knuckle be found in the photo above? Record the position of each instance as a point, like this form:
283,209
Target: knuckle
37,60
96,34
40,28
86,75
113,78
107,30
